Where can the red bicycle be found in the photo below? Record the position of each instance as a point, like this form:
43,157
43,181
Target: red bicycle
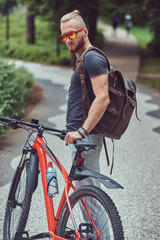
87,214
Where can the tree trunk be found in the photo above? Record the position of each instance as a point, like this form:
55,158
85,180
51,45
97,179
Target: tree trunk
93,22
7,31
30,27
58,41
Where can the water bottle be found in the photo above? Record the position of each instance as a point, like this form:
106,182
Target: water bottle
51,175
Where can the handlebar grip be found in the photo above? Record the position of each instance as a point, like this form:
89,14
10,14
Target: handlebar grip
4,119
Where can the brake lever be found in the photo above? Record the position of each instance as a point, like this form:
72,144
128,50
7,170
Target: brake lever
13,124
61,136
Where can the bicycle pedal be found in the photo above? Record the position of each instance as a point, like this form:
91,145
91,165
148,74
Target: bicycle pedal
70,234
20,236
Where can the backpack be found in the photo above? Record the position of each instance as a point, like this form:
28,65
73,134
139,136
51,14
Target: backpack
122,94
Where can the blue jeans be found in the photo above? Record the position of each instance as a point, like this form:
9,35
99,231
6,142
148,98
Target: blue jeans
91,159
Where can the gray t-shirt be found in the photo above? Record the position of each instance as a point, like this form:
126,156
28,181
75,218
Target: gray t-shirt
95,65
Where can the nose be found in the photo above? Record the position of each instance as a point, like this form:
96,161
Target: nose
68,39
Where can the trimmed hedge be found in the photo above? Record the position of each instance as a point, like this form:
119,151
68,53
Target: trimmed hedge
15,84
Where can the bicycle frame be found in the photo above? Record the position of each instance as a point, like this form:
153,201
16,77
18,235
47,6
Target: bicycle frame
42,149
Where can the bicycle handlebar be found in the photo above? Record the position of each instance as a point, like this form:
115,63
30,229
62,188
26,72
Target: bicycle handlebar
34,124
14,123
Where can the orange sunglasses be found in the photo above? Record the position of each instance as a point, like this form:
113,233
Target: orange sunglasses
71,35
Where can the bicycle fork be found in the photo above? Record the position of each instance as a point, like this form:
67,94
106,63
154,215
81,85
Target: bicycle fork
32,179
16,178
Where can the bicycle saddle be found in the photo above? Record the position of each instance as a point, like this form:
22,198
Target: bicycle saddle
83,144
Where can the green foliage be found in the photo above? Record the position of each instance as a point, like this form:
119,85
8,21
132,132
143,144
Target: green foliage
15,84
6,6
143,35
153,10
150,82
150,65
122,7
44,51
144,13
99,38
107,9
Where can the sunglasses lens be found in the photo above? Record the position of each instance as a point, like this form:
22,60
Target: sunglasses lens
62,38
72,35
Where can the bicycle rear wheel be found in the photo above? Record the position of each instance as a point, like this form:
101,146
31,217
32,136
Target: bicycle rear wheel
16,214
103,211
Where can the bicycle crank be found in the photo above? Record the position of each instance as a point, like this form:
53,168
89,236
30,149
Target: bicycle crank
86,231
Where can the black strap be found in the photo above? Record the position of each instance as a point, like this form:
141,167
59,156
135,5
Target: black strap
112,158
106,152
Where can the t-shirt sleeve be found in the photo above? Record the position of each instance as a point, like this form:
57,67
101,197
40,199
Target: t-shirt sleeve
95,63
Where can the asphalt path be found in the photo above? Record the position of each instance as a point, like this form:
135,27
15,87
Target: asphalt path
137,154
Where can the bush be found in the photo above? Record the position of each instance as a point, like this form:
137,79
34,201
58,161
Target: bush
15,84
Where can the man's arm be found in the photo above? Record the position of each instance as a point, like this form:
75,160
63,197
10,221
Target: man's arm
101,90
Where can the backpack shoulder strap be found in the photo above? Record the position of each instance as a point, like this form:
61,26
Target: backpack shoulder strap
82,76
81,58
100,51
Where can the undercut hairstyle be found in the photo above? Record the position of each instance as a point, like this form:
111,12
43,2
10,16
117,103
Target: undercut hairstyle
70,15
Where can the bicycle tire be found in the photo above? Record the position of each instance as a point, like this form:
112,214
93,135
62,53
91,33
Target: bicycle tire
16,216
106,217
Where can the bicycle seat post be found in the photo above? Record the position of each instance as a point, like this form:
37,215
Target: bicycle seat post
74,164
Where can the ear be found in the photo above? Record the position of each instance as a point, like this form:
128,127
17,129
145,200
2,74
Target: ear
86,32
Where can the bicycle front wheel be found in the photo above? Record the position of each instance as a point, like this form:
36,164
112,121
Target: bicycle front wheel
103,212
16,214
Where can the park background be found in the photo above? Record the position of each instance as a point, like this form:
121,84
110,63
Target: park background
29,31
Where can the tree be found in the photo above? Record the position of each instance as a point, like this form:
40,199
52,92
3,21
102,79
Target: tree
32,10
90,11
52,11
5,8
30,26
152,11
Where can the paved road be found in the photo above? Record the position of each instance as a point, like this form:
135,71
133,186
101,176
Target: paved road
136,154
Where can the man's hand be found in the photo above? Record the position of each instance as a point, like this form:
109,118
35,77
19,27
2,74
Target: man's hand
72,136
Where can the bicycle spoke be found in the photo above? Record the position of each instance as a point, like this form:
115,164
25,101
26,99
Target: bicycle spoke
103,215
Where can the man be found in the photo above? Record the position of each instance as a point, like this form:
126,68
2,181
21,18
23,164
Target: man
75,35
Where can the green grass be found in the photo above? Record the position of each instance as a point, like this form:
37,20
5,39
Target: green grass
150,65
143,35
150,82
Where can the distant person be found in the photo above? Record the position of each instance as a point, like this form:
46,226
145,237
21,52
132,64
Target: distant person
128,23
115,23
